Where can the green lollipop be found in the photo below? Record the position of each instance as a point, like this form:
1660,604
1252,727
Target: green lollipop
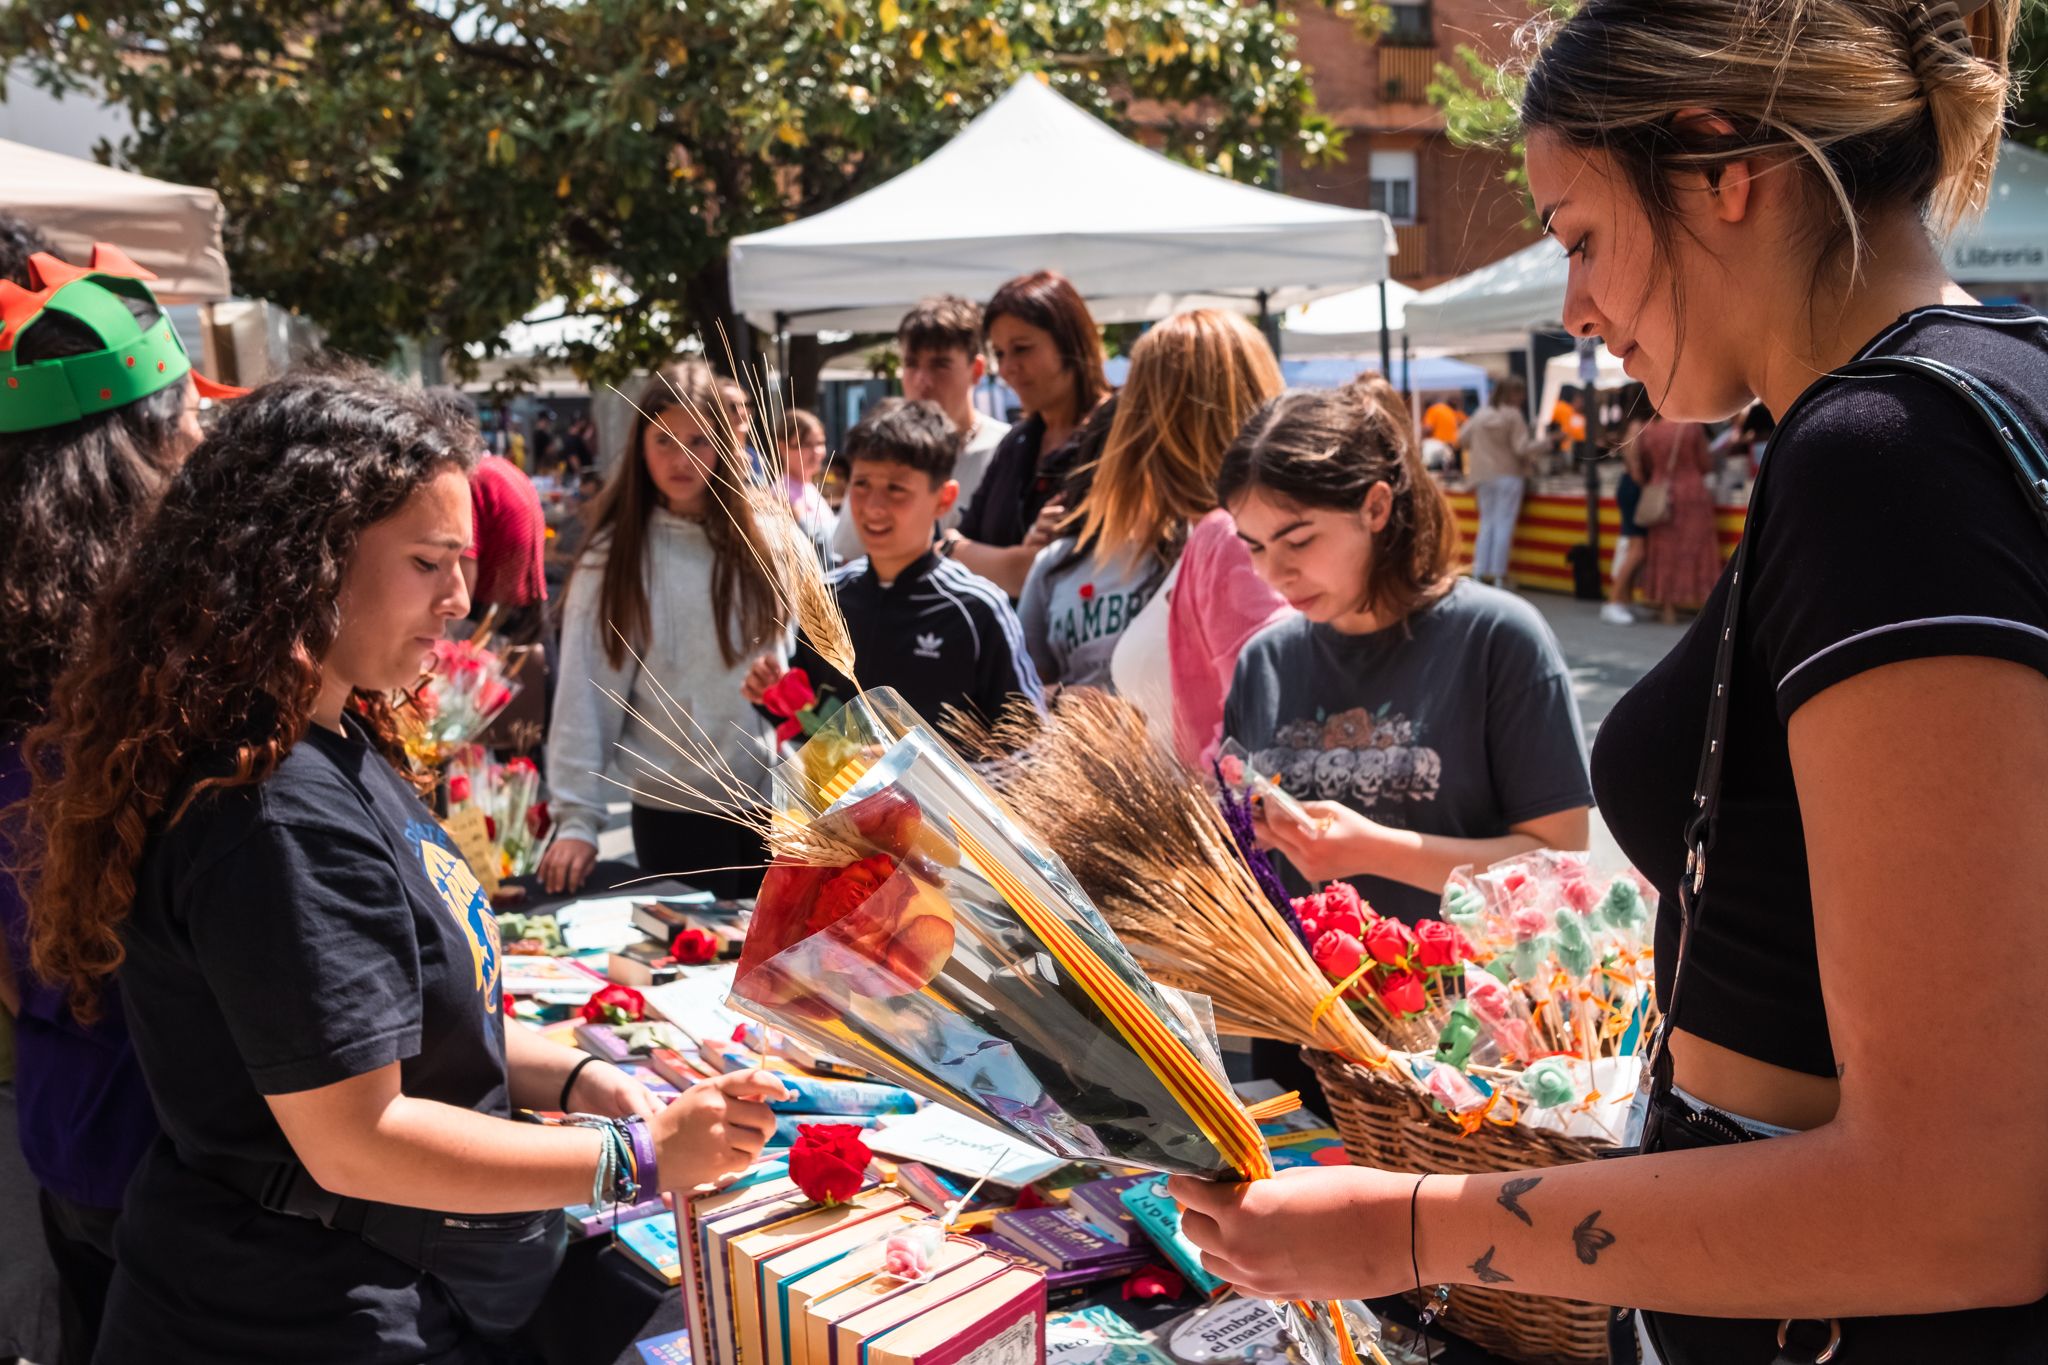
1461,1032
1623,906
1574,947
1550,1084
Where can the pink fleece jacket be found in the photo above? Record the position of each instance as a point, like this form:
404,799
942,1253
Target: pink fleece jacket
1219,602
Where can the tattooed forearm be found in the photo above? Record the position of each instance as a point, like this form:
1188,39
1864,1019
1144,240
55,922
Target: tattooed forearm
1589,1240
1482,1269
1510,1196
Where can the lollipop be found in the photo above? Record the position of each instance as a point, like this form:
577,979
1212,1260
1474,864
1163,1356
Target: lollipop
1454,1090
1493,1005
1461,1031
1623,907
1550,1083
1574,948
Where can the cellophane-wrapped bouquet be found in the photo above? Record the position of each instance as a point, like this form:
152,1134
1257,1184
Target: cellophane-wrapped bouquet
466,687
1529,1001
509,797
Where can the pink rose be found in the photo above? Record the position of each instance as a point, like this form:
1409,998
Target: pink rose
1488,997
1528,922
1579,894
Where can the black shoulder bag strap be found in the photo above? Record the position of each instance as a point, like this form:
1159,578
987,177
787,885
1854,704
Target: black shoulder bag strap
2029,464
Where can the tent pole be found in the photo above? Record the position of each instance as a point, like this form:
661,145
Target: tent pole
1269,326
781,349
1407,362
1386,338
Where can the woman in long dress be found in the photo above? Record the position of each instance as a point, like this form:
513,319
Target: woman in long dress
1685,549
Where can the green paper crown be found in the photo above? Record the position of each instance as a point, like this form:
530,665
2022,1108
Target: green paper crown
135,360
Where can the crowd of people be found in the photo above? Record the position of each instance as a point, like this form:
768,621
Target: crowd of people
264,1081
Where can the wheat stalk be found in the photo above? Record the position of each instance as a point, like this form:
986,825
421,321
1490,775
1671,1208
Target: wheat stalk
1144,838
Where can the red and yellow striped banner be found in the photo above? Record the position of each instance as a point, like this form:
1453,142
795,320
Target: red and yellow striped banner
1551,523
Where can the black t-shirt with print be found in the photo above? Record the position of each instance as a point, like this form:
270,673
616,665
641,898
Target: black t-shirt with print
1459,722
286,936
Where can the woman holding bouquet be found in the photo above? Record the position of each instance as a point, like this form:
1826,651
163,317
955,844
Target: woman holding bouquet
1426,721
1841,1164
310,970
670,602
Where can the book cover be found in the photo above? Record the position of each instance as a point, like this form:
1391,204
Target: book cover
850,1334
782,1276
1159,1216
617,1042
745,1253
1100,1204
645,963
1001,1322
659,919
560,979
1235,1329
1097,1335
695,1003
856,1285
1059,1238
588,1220
1323,1148
675,1067
660,1086
670,1348
787,1124
937,1136
652,1242
818,1095
1066,1281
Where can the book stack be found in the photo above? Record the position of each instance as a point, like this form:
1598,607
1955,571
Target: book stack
769,1278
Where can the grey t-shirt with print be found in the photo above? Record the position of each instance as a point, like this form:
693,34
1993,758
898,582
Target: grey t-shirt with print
1076,606
1462,724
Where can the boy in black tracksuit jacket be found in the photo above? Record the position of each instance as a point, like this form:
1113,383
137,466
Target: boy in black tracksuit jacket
920,623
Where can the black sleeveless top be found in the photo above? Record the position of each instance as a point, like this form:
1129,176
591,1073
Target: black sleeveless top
1887,527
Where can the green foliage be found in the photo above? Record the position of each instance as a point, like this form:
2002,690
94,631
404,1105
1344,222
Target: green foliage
438,168
1481,99
2028,121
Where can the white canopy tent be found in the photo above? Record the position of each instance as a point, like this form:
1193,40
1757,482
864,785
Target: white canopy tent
1346,324
1496,307
1035,183
170,230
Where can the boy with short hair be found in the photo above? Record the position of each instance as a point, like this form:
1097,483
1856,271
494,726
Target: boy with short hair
940,343
920,623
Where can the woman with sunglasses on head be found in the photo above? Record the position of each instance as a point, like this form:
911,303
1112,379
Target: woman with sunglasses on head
1845,1157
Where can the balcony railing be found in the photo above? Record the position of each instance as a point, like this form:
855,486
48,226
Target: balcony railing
1405,73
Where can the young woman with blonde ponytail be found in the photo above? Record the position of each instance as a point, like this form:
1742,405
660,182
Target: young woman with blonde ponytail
1846,1149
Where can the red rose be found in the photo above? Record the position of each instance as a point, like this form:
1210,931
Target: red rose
1403,992
491,828
1343,911
788,730
1437,944
520,764
614,1005
1339,955
1029,1198
829,1162
1389,941
694,948
791,693
458,789
538,821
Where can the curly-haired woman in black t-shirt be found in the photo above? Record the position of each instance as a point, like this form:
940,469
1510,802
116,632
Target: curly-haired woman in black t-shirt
1744,189
310,970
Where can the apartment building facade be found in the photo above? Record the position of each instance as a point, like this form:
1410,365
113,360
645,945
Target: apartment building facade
1452,211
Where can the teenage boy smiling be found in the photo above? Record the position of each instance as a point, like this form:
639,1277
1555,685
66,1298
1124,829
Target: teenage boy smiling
920,623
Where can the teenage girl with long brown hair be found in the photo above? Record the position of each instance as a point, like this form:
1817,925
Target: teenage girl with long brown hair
670,602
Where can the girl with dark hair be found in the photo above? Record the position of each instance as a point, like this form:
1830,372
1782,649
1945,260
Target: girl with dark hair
73,486
1048,351
670,602
1426,721
1836,774
311,969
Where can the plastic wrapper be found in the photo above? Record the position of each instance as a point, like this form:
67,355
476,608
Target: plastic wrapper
910,926
466,687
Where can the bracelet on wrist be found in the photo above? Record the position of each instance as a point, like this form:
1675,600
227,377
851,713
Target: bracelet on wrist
641,1138
570,1084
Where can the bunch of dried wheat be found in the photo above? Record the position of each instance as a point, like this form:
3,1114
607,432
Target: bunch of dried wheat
1144,838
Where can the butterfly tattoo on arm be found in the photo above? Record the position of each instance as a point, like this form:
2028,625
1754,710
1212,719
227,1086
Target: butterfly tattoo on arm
1482,1269
1511,1193
1589,1241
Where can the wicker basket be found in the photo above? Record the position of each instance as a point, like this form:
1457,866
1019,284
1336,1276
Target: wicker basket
1394,1128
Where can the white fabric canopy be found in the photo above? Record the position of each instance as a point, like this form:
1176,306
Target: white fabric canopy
172,230
1497,306
1034,183
1344,324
